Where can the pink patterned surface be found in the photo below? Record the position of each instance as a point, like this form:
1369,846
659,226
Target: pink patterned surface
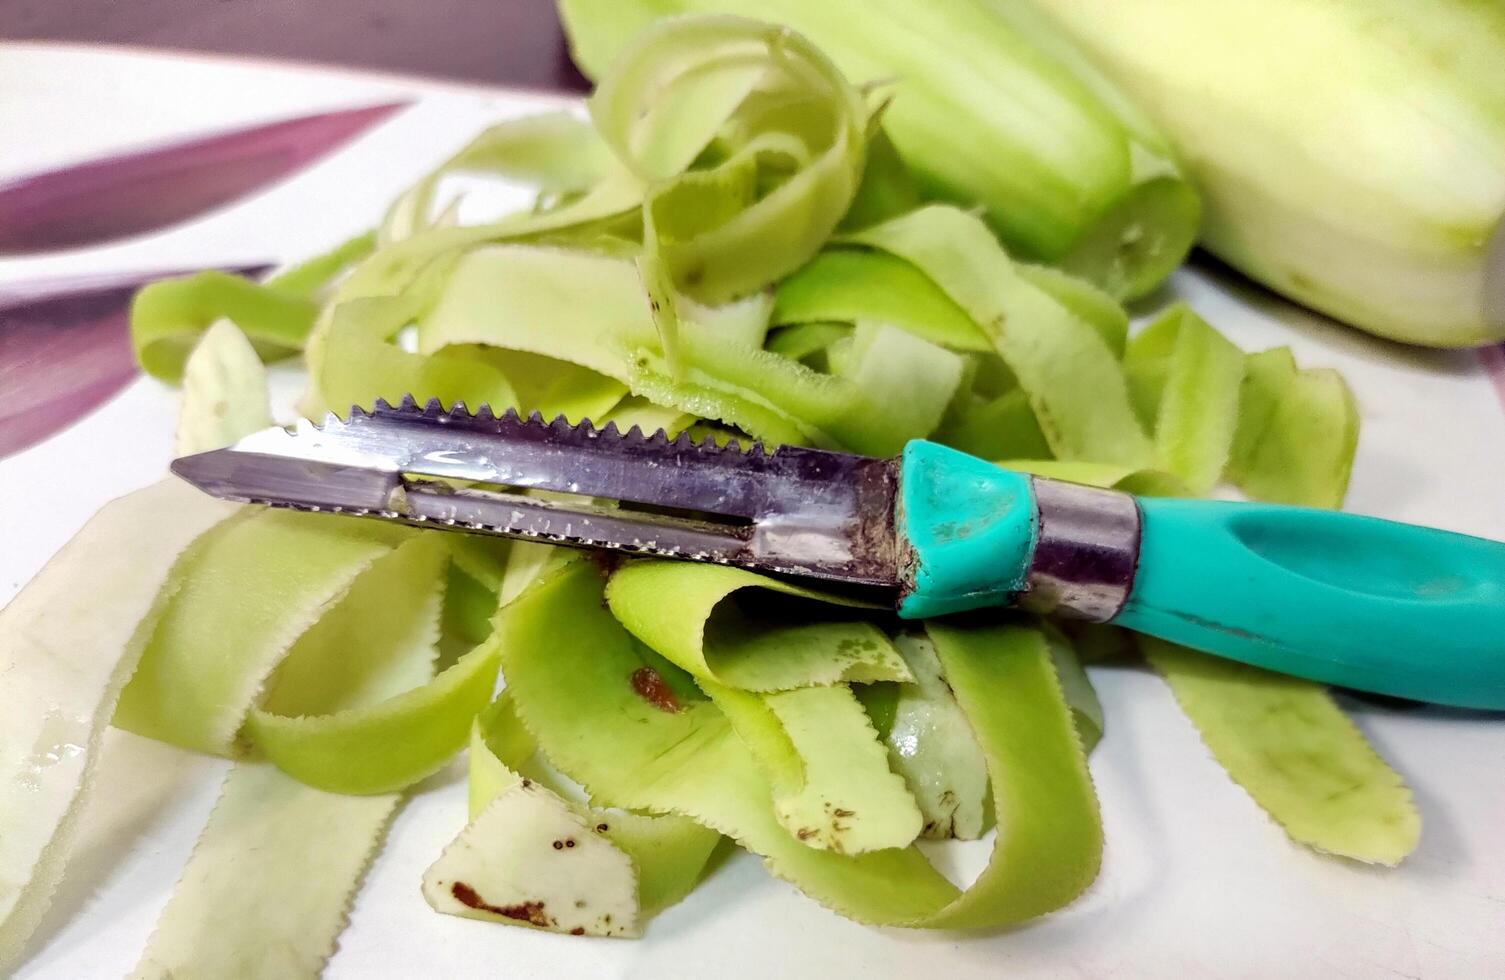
1493,359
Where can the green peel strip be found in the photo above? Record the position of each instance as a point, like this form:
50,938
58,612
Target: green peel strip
793,137
1076,687
274,574
1069,374
826,769
1185,378
530,858
762,643
569,666
1284,741
848,284
168,317
776,670
1297,434
359,679
555,152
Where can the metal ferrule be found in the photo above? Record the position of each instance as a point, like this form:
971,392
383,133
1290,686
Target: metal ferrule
1086,551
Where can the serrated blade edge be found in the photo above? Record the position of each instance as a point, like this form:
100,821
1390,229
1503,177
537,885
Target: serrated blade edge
796,511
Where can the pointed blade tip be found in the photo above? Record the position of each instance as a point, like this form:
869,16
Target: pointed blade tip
203,471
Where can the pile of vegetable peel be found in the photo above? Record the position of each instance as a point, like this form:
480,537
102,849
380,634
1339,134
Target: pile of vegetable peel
729,247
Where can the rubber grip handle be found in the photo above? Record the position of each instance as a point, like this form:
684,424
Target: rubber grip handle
1349,600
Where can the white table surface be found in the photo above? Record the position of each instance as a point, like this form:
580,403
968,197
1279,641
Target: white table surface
1196,880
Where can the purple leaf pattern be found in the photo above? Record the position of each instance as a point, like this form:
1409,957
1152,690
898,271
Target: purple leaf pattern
65,349
65,344
132,193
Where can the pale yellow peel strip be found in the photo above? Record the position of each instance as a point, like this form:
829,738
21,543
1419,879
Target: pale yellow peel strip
265,893
826,769
932,746
66,649
532,858
224,391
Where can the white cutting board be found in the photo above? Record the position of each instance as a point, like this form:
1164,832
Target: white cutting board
1196,881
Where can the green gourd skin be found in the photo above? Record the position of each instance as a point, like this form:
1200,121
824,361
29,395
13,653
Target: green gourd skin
1340,598
1350,153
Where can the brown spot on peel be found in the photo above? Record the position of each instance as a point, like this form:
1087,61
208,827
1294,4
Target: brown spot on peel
467,896
649,685
529,912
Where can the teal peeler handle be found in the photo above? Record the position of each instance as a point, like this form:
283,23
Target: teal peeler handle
1350,600
1354,601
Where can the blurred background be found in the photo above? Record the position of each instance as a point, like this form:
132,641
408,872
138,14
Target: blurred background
498,42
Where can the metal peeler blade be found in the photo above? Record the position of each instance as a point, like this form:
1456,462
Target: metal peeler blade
796,511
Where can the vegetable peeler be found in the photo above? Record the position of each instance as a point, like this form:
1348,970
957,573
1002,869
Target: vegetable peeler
1355,601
